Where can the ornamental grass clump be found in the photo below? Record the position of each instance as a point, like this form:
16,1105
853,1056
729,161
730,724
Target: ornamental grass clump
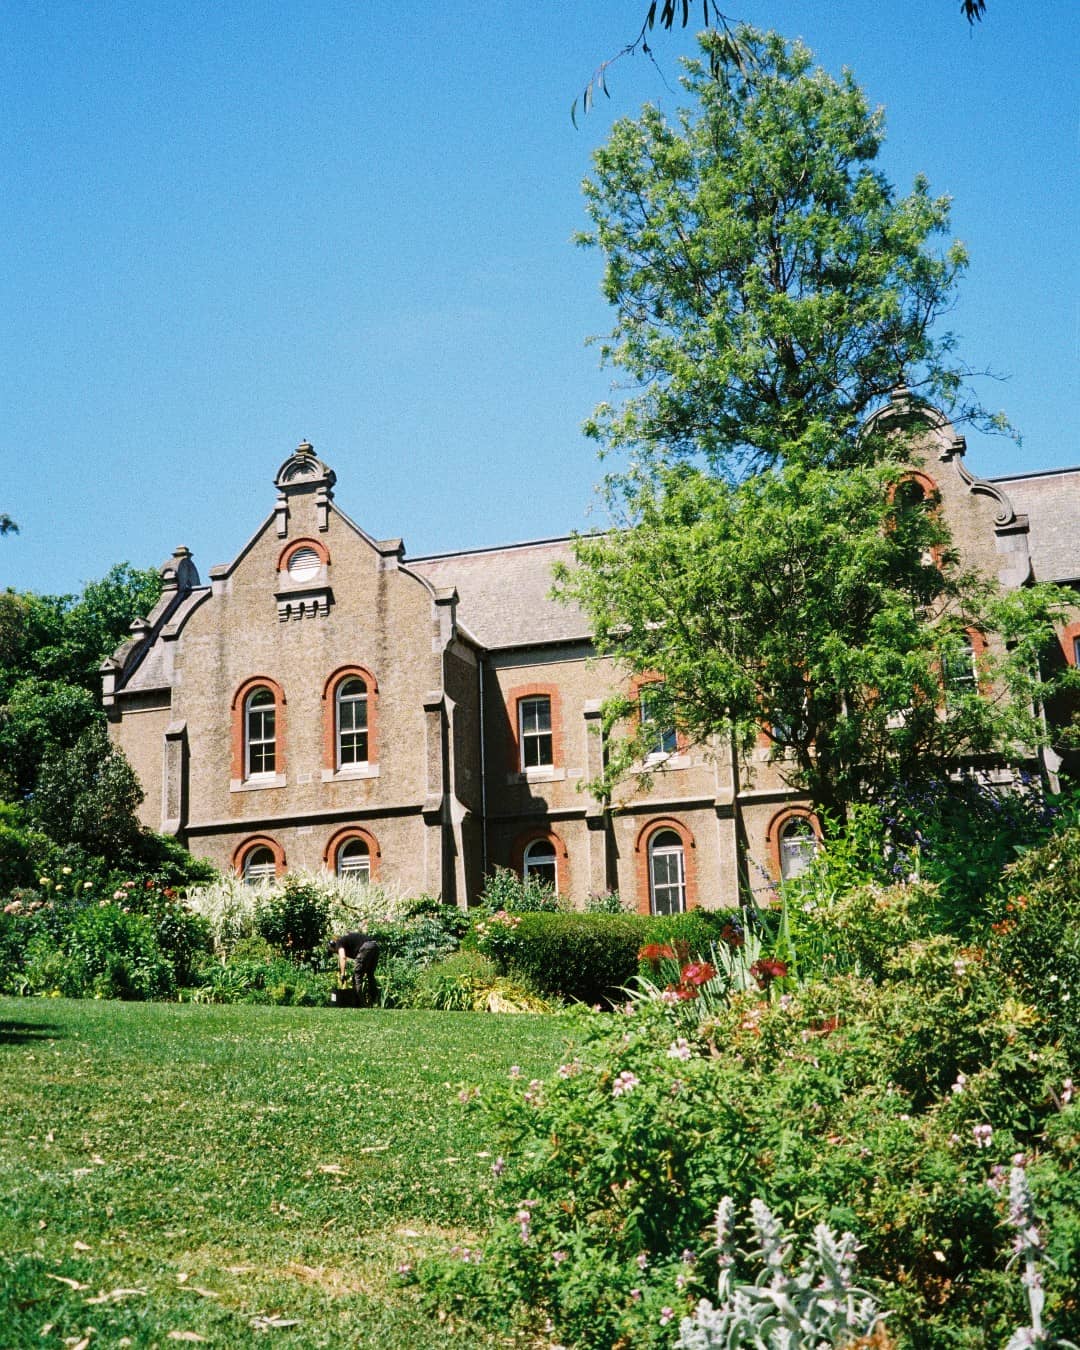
784,1307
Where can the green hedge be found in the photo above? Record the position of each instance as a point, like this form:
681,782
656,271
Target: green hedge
590,958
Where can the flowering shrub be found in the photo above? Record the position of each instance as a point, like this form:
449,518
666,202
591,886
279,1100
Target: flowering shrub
88,936
872,1107
294,918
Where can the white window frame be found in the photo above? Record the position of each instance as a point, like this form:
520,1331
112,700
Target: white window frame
362,869
797,844
342,704
260,706
663,854
532,733
259,873
961,671
666,740
541,856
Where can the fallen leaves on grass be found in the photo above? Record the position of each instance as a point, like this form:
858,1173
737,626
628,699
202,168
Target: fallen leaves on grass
115,1295
184,1336
270,1323
66,1279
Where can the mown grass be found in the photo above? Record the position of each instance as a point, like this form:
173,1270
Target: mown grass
170,1172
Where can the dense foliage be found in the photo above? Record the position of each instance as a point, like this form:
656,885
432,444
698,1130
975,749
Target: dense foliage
888,1099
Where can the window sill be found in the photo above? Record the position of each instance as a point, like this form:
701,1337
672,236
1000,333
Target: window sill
270,780
353,772
665,762
546,773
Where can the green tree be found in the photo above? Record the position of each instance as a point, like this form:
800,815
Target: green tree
769,286
815,607
87,795
50,650
768,564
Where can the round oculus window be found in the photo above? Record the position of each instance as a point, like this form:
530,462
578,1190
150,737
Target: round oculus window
304,565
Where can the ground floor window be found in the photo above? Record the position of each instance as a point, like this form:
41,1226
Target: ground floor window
354,860
538,864
667,873
798,844
260,865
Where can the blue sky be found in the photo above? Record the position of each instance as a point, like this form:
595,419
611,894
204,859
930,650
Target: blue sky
229,227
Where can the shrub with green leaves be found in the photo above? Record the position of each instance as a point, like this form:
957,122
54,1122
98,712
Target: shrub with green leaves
879,1108
294,918
254,972
589,958
505,890
467,981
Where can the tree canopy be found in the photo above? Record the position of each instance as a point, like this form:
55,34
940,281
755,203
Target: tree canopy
770,288
50,650
770,565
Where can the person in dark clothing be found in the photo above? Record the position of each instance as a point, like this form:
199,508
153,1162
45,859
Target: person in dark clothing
363,951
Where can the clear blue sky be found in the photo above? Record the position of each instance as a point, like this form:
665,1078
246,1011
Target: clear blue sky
227,227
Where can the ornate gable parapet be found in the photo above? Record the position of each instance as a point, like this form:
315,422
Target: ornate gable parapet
903,411
179,582
303,472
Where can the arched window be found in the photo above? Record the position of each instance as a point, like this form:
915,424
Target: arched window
260,737
352,722
259,865
667,873
798,842
350,702
354,860
538,864
353,852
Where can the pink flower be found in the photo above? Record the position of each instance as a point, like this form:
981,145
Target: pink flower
558,1257
679,1049
666,1314
515,1071
498,1167
982,1135
624,1083
642,1260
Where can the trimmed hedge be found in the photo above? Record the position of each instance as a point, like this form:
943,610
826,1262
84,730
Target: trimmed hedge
591,958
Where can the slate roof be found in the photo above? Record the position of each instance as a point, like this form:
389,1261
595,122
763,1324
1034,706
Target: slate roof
1051,501
504,595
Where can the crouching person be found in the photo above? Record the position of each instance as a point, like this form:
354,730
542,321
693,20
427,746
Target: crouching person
363,952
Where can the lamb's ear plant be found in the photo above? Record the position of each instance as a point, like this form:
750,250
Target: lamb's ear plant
812,1305
1030,1254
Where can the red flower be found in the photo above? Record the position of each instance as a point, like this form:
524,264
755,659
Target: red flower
732,936
698,973
654,953
683,992
768,969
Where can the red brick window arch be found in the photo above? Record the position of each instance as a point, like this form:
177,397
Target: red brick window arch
350,701
666,871
259,859
353,852
793,837
258,730
540,854
534,712
303,559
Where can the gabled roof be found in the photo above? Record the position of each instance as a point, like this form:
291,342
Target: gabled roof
504,594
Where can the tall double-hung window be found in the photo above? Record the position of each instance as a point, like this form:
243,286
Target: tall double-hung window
352,722
260,733
534,732
667,873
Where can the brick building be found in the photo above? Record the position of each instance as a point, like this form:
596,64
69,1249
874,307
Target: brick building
326,702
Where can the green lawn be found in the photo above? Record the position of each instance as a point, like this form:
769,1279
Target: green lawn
169,1172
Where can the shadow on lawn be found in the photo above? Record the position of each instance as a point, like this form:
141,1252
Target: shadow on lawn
21,1033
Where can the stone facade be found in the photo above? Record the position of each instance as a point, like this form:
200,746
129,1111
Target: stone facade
326,702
